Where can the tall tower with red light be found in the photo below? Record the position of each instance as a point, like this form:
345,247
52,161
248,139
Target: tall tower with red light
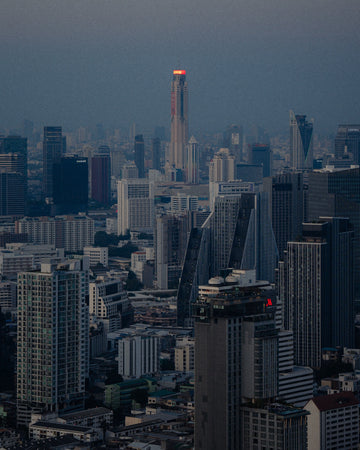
179,120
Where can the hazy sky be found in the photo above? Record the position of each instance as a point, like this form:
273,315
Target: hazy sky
81,62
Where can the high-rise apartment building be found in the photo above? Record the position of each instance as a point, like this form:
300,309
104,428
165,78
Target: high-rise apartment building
347,143
287,206
222,166
192,161
139,149
100,178
71,233
138,356
301,142
54,147
179,120
135,205
317,293
235,358
53,333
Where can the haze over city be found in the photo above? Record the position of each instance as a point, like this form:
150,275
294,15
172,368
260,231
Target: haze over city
83,62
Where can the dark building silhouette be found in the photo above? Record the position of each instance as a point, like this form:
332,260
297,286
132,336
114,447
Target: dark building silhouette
12,194
347,142
13,156
156,152
70,194
286,197
100,178
54,147
334,194
233,140
261,154
236,359
316,289
301,142
139,148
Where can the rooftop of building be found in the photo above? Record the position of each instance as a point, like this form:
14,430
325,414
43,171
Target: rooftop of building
61,426
335,401
93,412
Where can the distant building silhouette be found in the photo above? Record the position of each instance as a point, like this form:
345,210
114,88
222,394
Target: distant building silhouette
347,143
233,140
179,120
192,165
139,148
156,153
70,192
301,142
261,154
54,147
100,178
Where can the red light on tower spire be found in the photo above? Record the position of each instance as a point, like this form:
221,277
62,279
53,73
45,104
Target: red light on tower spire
179,72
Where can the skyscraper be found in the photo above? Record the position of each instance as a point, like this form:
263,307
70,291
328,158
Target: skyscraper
100,178
317,293
301,142
222,166
337,193
236,357
192,165
286,196
233,140
347,142
53,333
135,205
261,154
54,146
139,148
156,150
70,190
179,120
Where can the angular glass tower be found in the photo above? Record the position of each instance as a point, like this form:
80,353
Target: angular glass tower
301,143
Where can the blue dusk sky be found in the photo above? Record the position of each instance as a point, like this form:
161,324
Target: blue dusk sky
82,62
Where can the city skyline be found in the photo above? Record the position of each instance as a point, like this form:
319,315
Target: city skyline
78,64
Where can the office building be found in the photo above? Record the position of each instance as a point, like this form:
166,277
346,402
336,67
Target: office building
7,295
171,238
70,191
53,330
236,357
139,149
54,147
333,422
71,233
347,143
135,205
261,154
109,303
138,356
179,120
317,294
337,193
276,426
301,142
12,193
222,166
233,140
228,189
192,162
97,255
100,178
156,153
182,203
129,171
286,206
